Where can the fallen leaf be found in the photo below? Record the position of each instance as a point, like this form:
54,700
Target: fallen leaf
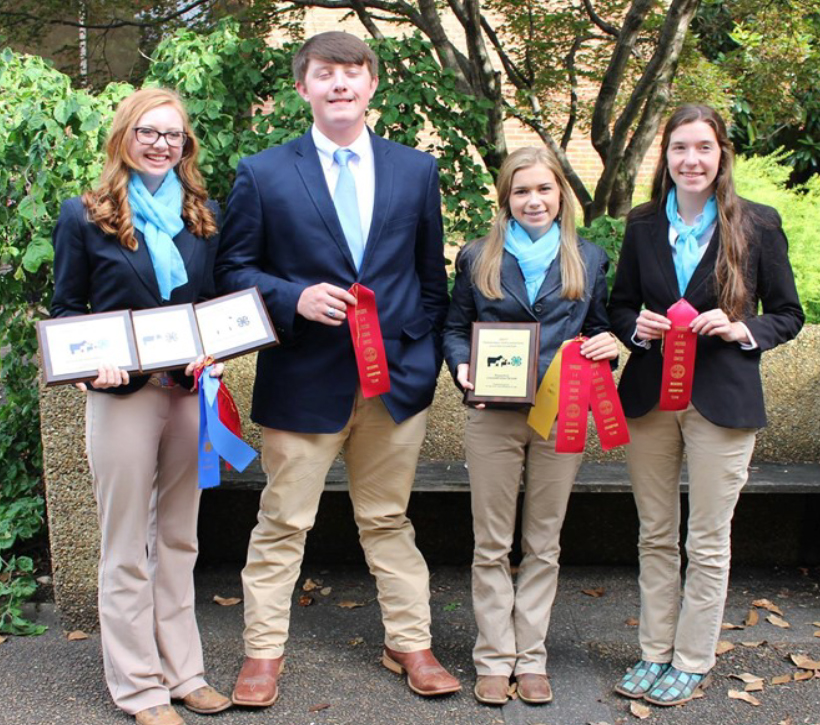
317,708
767,605
780,679
756,686
226,601
801,675
639,710
347,604
804,662
817,633
723,647
44,580
325,591
815,624
752,618
778,622
512,691
595,593
76,635
3,639
747,677
305,600
310,585
787,721
759,643
745,696
356,641
729,625
632,622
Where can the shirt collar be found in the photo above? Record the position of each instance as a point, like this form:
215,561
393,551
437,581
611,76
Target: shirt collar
326,148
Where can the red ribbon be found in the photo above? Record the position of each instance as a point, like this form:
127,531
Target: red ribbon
679,347
583,383
368,344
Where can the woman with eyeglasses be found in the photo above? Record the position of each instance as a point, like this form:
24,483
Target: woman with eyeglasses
144,238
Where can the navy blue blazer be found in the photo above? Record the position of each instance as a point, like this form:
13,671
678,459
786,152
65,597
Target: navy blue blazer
93,272
561,319
727,389
282,234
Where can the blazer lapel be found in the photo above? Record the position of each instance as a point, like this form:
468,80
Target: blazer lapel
384,172
140,260
705,267
552,282
513,281
663,253
310,171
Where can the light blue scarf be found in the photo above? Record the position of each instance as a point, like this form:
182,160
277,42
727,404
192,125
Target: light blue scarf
159,218
687,245
534,256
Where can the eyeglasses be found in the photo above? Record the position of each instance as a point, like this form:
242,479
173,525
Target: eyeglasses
149,136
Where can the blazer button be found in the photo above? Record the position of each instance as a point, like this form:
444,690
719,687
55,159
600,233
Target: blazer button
538,308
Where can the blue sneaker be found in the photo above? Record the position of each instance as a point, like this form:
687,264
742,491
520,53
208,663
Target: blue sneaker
677,687
641,678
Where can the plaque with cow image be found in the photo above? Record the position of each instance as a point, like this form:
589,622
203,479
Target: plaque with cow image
504,364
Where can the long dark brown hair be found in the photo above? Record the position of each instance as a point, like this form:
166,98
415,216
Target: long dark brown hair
108,206
729,269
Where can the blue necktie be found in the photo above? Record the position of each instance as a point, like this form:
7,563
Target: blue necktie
347,205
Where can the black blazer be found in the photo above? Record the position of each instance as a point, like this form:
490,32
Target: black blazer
282,234
561,319
93,272
727,389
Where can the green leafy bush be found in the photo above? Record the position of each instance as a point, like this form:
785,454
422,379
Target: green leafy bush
763,179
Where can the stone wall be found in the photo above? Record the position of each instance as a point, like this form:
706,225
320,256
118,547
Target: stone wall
791,379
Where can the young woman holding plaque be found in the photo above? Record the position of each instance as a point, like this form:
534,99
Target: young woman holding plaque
531,267
145,237
699,254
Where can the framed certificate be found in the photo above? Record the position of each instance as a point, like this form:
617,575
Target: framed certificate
234,324
504,363
72,348
166,337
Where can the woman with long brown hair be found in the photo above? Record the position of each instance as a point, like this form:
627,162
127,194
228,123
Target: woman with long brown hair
697,240
531,267
145,237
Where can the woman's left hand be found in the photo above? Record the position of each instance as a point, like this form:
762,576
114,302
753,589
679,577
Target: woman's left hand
715,322
603,346
216,371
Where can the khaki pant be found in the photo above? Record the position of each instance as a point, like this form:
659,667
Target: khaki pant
381,459
141,447
686,633
513,621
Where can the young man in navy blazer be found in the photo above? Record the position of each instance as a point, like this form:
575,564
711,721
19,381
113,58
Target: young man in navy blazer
288,231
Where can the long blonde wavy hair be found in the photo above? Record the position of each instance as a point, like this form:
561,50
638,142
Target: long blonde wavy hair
108,206
486,271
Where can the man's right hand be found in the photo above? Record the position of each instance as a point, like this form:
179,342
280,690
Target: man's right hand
324,303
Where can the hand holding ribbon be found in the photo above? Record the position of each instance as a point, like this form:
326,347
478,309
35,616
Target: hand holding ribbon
219,428
578,378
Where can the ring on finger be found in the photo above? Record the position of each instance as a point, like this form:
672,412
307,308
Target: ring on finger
331,312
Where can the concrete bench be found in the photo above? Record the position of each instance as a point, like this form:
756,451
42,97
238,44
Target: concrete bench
451,477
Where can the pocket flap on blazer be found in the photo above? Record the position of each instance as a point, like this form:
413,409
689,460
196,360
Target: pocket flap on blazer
416,329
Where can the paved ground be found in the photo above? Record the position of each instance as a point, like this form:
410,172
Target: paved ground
333,658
